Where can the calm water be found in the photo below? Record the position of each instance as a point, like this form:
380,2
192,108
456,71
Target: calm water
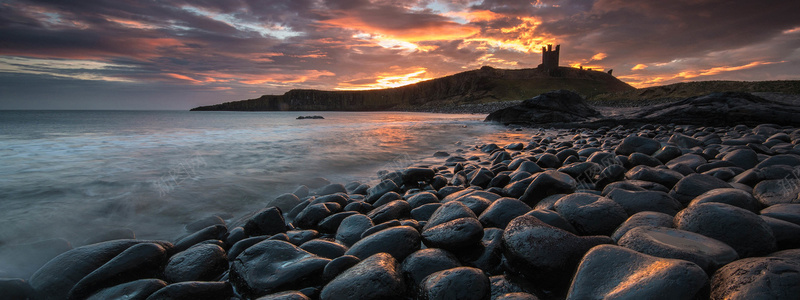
72,174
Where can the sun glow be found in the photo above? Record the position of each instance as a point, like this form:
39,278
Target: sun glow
387,80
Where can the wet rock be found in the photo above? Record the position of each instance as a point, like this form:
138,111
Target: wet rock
615,272
739,228
23,260
298,237
338,198
424,262
667,153
272,266
706,252
55,279
338,265
287,295
548,161
242,245
542,253
480,177
720,109
398,241
214,232
313,214
732,196
786,212
379,227
777,191
743,158
137,262
787,234
194,290
375,192
453,235
695,185
637,159
456,283
502,211
545,184
386,198
667,178
692,161
477,201
552,218
684,141
331,223
267,221
488,255
557,106
632,144
591,214
757,278
638,201
645,218
360,207
16,288
504,285
285,202
134,290
375,277
448,212
792,160
323,248
424,212
516,296
421,199
394,210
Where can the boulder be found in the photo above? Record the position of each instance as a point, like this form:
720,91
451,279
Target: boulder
739,228
272,266
706,252
375,277
695,185
425,262
559,106
757,278
399,241
721,109
591,214
645,218
457,283
547,183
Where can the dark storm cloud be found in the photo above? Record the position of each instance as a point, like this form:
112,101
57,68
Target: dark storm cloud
214,51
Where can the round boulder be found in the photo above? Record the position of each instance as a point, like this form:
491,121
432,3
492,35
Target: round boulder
463,283
376,277
591,214
706,252
739,228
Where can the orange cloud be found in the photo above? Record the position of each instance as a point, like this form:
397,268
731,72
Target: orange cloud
639,67
183,77
388,80
475,15
717,70
287,78
431,31
599,56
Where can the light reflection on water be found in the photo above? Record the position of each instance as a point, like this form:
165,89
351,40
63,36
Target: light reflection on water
72,174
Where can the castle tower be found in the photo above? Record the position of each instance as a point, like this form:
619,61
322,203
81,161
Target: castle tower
550,57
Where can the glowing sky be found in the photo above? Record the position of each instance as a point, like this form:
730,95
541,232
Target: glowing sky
172,54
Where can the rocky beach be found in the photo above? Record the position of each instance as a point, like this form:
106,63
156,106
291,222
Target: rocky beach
651,211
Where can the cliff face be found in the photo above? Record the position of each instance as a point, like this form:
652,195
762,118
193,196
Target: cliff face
471,87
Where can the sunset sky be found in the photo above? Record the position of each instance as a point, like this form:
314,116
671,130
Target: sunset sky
171,54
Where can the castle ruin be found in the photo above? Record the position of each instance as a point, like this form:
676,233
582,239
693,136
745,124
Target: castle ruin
550,58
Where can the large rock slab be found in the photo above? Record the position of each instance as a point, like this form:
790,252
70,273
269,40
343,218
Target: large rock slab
559,106
721,109
376,277
272,266
613,272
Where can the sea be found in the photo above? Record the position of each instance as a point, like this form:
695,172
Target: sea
76,174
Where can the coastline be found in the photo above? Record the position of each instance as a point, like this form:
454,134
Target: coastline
487,210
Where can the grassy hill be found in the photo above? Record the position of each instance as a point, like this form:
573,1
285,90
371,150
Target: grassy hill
484,85
678,91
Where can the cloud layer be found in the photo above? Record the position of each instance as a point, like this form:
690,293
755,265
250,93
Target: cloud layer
174,54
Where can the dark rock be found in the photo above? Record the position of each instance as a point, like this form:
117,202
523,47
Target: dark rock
706,252
515,189
502,211
332,188
615,272
386,198
637,159
516,296
757,278
287,295
453,235
134,290
667,153
16,288
394,210
448,212
743,158
312,215
695,185
721,109
55,279
689,160
777,191
530,167
475,200
381,188
273,266
502,285
140,261
298,237
301,191
787,234
548,161
285,202
552,218
234,236
375,277
732,196
739,228
424,262
542,253
786,212
791,160
456,283
214,232
331,223
339,265
591,214
414,175
632,144
379,227
338,198
545,184
398,241
424,212
639,201
198,263
645,218
360,207
23,260
665,177
422,198
552,107
268,221
194,290
242,245
323,248
684,141
441,154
